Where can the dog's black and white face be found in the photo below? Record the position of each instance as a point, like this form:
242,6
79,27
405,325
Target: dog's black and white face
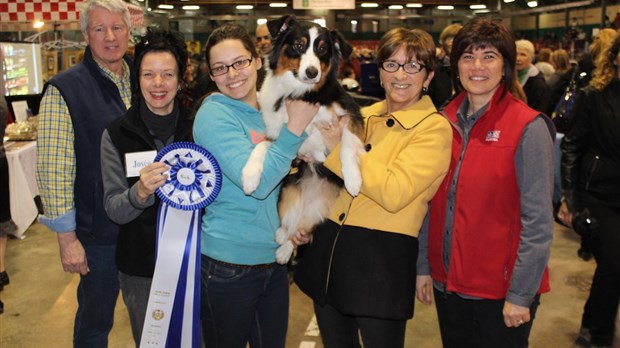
308,53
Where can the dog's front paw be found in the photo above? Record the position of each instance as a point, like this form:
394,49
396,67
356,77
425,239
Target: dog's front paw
250,177
284,252
352,181
281,236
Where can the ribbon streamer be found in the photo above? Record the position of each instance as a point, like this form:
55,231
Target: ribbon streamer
173,311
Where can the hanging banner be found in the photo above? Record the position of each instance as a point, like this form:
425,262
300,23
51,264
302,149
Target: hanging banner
173,311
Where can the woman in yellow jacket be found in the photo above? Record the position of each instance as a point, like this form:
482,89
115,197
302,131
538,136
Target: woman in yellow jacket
360,269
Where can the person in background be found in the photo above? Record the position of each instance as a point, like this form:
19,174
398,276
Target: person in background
186,93
530,78
360,268
156,119
560,61
7,226
543,63
76,107
263,39
485,248
604,38
263,46
440,90
590,172
244,292
559,81
349,82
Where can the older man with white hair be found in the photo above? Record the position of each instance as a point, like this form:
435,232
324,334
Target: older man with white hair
530,78
77,105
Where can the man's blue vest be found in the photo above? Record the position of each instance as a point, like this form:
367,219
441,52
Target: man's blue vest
93,101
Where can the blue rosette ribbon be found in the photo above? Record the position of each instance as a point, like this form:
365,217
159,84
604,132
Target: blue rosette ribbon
173,311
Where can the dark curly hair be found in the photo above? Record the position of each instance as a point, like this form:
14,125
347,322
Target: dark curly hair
159,40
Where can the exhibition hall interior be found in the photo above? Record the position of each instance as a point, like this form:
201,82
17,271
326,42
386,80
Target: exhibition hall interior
42,39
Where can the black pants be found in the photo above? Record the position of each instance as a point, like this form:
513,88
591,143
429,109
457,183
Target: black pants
341,331
601,308
5,207
479,323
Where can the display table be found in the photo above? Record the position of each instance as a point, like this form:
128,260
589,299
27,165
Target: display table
21,156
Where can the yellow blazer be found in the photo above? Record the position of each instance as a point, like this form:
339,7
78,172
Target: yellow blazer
407,156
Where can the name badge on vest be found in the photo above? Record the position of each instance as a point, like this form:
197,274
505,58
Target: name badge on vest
134,161
173,311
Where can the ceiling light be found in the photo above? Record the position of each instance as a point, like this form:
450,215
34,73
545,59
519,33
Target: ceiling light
414,5
509,1
532,3
261,21
478,7
445,7
38,24
244,7
278,4
353,21
396,7
165,7
486,10
191,7
370,4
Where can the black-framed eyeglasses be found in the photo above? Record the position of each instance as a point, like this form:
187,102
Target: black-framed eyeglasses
410,67
223,68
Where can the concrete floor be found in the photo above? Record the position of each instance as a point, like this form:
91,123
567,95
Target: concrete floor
40,301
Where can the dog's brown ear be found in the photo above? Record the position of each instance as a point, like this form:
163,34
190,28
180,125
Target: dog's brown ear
341,44
281,25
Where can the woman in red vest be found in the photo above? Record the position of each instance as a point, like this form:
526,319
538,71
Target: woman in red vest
490,225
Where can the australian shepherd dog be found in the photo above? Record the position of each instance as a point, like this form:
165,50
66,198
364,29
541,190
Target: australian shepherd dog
303,64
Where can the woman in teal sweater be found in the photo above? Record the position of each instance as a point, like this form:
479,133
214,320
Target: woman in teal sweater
244,292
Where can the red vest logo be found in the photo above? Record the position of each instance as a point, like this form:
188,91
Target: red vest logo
492,135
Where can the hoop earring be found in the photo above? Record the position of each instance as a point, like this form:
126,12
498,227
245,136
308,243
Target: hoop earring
381,83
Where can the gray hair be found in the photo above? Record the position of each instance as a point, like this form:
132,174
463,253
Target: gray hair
117,6
526,45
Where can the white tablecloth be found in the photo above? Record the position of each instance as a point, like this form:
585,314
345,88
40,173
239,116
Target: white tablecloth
22,183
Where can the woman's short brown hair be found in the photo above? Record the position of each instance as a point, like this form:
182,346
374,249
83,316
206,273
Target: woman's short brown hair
416,42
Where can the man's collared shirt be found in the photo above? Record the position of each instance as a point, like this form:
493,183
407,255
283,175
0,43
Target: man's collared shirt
56,162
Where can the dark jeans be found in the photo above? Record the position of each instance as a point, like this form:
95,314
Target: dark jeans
241,305
341,331
97,294
479,323
601,307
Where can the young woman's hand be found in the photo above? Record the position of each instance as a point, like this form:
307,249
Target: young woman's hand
300,114
332,131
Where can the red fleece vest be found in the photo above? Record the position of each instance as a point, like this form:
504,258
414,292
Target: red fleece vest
487,214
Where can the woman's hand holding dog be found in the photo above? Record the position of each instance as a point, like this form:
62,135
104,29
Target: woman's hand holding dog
300,238
151,177
332,131
300,114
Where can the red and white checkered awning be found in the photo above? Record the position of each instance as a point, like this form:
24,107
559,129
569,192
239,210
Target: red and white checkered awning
53,10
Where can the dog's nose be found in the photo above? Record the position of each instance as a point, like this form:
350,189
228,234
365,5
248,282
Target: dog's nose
312,72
